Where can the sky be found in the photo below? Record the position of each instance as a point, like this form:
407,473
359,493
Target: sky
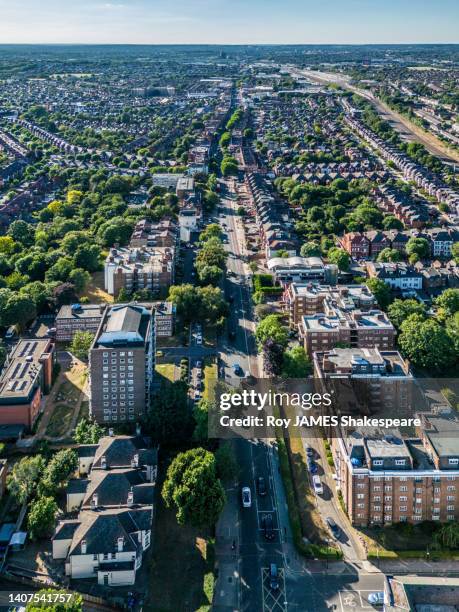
229,21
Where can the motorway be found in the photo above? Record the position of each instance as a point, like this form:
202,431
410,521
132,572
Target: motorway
243,552
406,129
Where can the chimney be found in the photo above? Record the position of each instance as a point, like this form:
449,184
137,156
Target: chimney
103,462
130,498
83,547
120,544
94,501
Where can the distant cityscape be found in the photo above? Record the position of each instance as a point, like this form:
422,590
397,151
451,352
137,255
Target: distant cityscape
178,222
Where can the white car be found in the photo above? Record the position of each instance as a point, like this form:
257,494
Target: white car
318,488
246,497
376,598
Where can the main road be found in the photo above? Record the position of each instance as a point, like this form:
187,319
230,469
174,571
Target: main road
244,553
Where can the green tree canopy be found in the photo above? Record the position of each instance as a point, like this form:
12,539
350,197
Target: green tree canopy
426,343
193,488
42,517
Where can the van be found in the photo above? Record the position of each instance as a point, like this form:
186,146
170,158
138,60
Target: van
10,333
318,488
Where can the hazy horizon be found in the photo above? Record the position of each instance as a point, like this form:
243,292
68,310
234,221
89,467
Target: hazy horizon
215,22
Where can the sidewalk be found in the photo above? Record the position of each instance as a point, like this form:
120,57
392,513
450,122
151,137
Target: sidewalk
227,586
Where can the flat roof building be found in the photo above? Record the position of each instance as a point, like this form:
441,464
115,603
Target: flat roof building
121,364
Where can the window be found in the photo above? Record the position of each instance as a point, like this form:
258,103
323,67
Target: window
402,479
404,489
451,488
450,497
377,498
451,478
400,461
378,462
388,518
363,506
377,508
377,488
453,461
402,498
360,496
361,485
450,507
402,508
416,518
402,518
450,517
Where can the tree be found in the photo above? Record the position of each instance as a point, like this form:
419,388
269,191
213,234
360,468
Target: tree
19,310
80,279
64,294
88,431
115,231
339,257
392,223
296,363
81,344
419,247
448,535
448,302
42,517
400,310
74,604
273,357
310,249
87,257
24,478
226,462
426,343
454,252
193,488
210,275
169,420
58,471
186,300
380,290
389,255
22,232
271,329
229,166
7,245
61,270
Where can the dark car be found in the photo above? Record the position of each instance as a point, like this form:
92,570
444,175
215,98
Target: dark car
268,527
312,467
310,451
273,577
333,526
261,486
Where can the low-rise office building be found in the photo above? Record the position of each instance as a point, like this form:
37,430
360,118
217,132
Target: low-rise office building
333,326
26,377
302,299
134,269
387,478
78,317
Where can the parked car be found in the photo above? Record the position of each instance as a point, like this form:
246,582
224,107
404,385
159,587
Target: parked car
261,486
237,368
318,488
273,577
310,451
246,497
312,467
268,527
334,528
376,598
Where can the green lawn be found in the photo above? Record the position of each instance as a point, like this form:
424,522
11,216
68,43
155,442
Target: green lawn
166,370
182,575
210,378
60,420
